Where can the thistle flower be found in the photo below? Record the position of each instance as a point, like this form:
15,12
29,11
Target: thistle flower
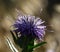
30,26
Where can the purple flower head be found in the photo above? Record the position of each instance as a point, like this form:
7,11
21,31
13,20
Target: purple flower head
30,25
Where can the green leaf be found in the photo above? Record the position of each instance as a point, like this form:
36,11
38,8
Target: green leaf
35,46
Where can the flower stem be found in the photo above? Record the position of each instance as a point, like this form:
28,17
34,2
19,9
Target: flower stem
29,42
